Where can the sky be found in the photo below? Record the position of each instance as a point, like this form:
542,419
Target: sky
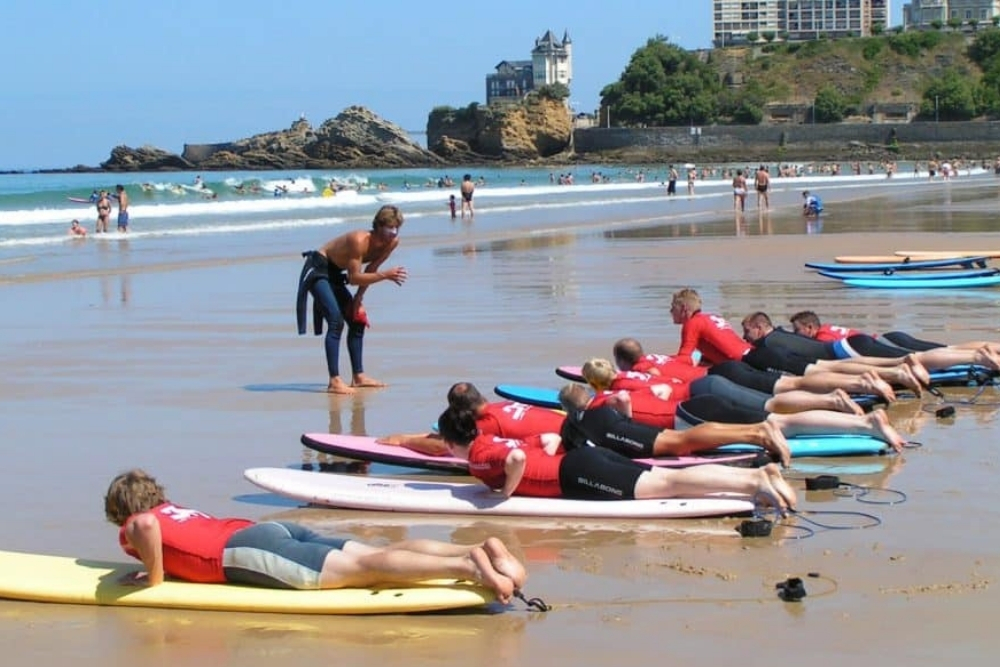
82,78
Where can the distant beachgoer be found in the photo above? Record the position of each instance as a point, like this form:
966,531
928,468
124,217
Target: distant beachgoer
692,176
672,182
467,188
94,196
812,205
75,229
739,191
763,181
122,197
452,206
353,258
103,212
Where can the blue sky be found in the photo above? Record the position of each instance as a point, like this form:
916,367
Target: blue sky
81,78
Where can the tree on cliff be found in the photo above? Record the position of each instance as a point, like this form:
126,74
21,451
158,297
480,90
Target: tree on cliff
663,85
950,97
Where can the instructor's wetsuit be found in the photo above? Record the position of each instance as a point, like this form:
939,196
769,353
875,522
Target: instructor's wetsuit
327,283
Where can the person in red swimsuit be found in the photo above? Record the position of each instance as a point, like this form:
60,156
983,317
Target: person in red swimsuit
186,544
540,467
629,356
506,419
711,334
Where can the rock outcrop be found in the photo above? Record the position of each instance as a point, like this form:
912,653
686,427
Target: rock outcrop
536,128
356,138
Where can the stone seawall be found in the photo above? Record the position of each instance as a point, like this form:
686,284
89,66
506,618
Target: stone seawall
917,140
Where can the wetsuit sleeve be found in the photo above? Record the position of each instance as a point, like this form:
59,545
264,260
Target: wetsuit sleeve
690,337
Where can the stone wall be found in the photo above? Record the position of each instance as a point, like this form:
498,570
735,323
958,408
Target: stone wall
981,139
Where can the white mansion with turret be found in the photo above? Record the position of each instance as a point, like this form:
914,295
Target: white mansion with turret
551,62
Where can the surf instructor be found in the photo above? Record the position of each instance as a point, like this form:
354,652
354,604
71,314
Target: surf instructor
353,258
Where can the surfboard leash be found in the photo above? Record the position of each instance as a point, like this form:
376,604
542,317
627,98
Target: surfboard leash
538,604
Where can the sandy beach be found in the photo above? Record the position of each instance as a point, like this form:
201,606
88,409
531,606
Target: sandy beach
191,368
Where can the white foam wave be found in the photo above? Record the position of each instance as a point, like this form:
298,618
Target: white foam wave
203,230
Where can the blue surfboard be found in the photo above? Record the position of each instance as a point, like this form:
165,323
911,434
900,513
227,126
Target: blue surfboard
967,262
906,276
539,396
890,282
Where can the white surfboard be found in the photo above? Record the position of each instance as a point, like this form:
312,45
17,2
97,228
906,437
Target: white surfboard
391,494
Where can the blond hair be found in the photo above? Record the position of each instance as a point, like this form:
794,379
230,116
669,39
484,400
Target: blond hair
689,298
599,373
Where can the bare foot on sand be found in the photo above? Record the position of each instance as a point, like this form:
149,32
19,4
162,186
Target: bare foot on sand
772,483
338,386
505,563
873,384
362,380
774,441
844,403
879,421
488,576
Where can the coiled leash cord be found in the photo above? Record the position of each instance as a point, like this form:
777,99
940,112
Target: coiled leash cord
766,504
538,604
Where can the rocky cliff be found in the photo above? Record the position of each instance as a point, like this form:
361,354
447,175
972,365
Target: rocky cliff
530,130
356,138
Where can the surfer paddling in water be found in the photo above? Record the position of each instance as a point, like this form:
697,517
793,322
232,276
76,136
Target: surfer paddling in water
353,258
193,546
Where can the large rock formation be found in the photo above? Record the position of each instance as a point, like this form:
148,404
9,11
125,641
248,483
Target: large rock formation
536,128
356,138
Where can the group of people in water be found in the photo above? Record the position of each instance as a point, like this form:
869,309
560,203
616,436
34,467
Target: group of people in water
102,200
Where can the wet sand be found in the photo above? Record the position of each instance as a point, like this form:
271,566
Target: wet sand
194,371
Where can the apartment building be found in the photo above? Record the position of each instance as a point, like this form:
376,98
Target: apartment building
797,20
924,14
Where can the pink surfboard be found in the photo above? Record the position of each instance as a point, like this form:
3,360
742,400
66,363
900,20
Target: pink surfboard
365,448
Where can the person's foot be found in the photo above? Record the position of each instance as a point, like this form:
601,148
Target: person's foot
772,484
488,576
505,563
362,380
873,384
842,402
338,386
774,441
985,356
918,369
902,376
879,421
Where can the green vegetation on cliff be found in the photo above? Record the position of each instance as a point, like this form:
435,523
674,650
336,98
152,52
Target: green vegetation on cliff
941,74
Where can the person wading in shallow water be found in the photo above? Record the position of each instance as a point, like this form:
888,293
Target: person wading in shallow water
353,258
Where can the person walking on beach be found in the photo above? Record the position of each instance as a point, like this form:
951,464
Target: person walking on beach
186,544
672,181
103,212
763,183
739,191
353,258
467,188
122,198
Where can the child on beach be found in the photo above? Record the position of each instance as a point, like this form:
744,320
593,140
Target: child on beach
194,546
812,205
452,206
76,230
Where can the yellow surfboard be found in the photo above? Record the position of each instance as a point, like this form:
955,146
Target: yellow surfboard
43,578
